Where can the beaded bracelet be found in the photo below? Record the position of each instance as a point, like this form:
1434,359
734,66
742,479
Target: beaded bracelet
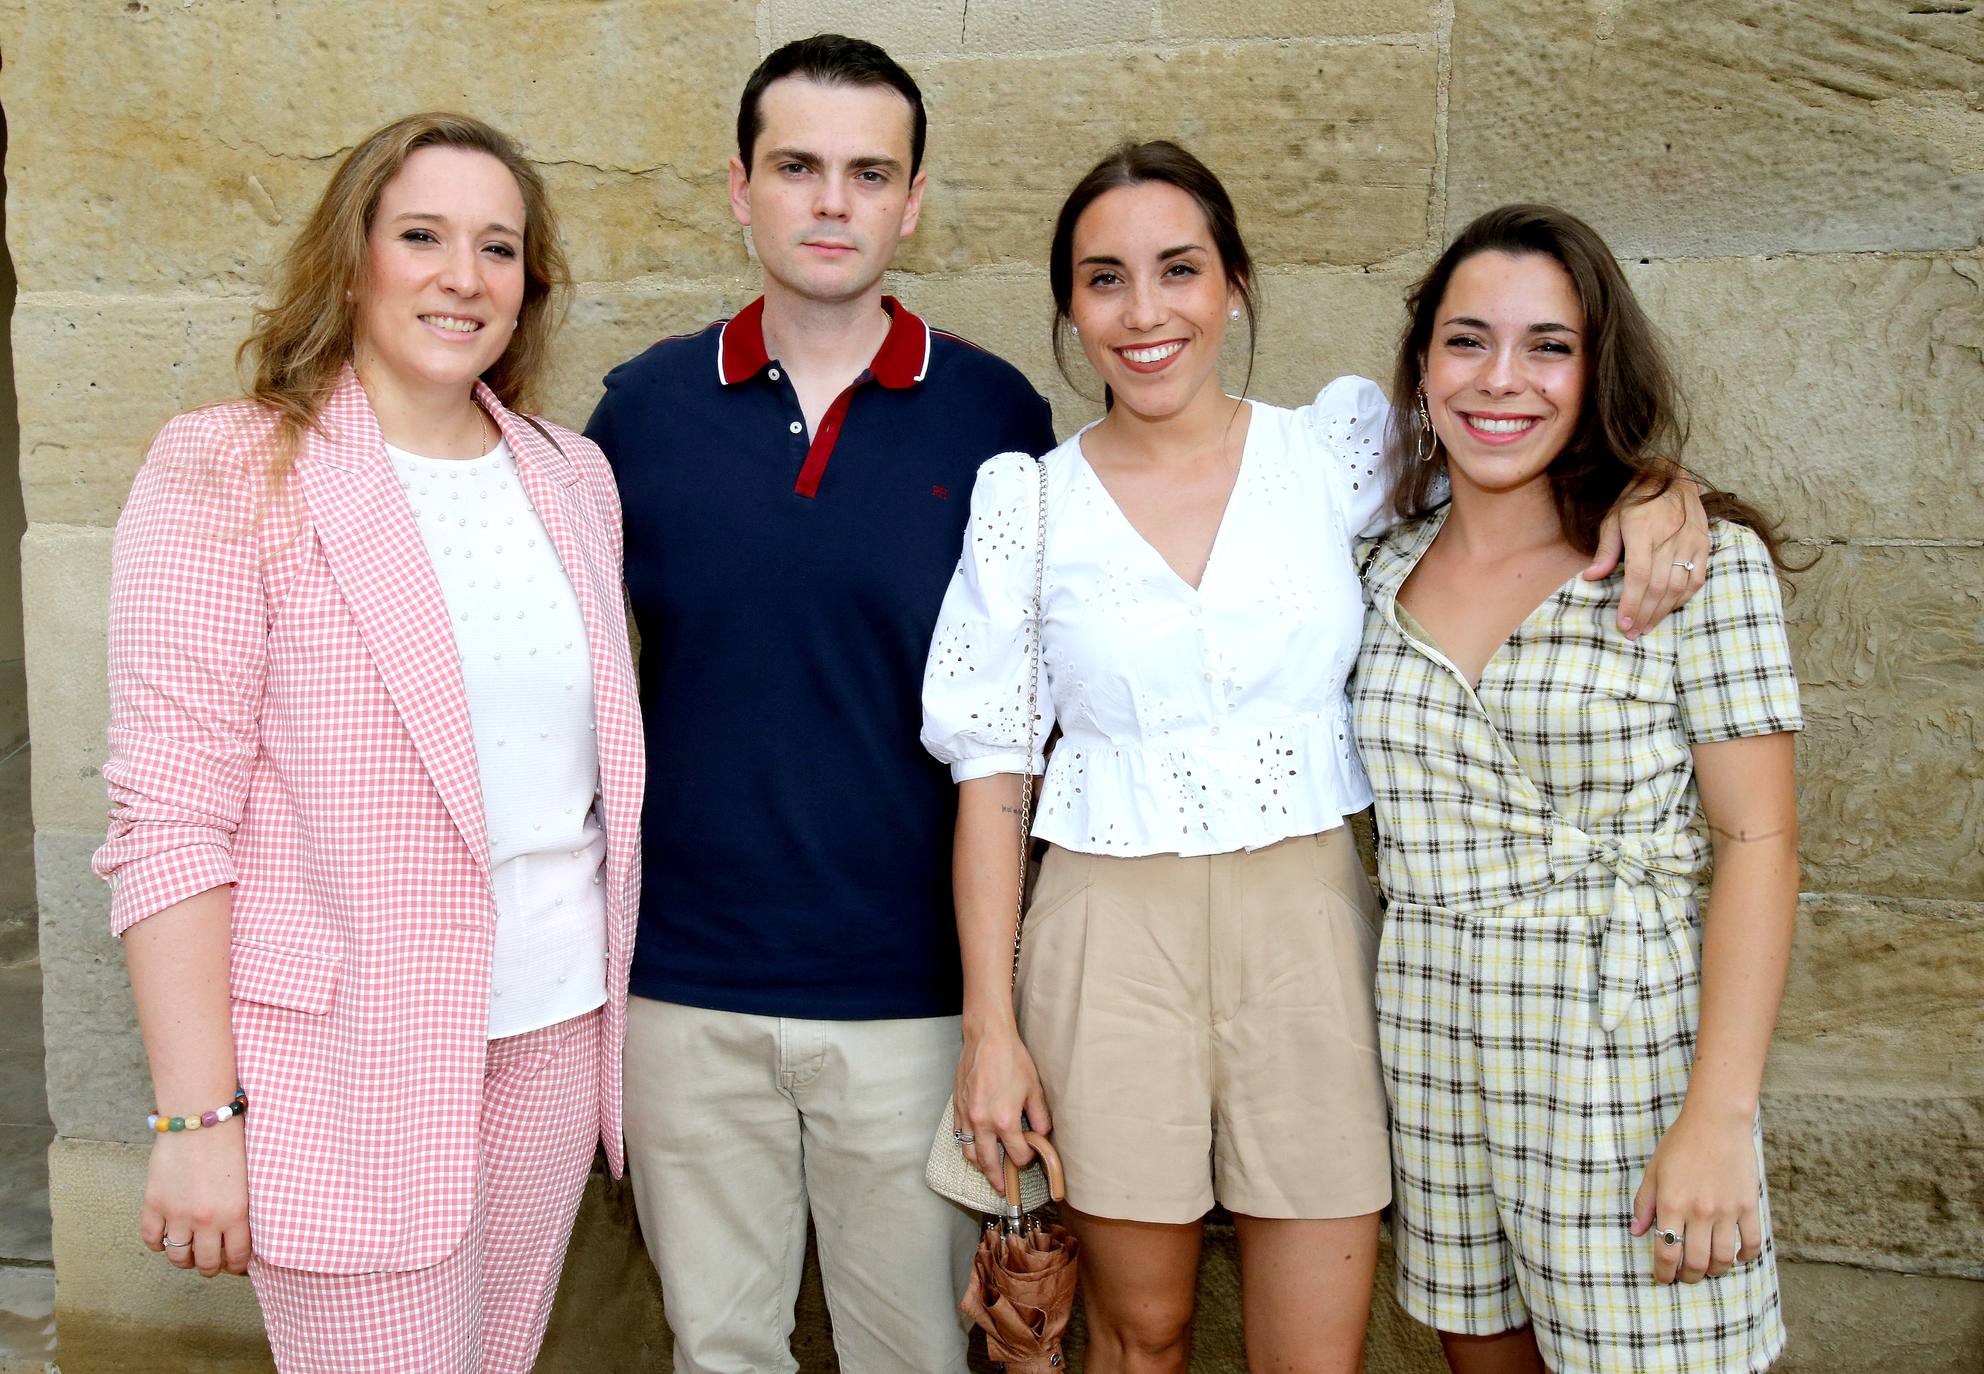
161,1123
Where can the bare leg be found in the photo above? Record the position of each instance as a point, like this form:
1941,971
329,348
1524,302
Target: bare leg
1138,1281
1305,1292
1505,1352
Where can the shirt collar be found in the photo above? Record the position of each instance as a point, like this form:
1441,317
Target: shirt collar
900,362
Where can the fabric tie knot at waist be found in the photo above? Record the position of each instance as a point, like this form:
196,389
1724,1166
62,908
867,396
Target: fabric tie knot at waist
1634,922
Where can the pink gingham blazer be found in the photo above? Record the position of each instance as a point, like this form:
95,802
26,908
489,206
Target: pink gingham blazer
287,716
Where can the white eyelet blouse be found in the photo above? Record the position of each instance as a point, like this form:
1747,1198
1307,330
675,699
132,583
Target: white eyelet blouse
1192,721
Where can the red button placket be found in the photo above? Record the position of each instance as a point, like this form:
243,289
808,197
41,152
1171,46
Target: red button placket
822,447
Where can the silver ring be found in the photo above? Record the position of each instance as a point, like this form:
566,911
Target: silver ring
175,1244
1687,565
960,1136
1668,1235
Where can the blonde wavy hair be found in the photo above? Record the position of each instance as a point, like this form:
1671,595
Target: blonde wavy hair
302,338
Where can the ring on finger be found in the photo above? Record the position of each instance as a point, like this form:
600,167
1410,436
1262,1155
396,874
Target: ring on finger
962,1137
1668,1235
1687,564
175,1244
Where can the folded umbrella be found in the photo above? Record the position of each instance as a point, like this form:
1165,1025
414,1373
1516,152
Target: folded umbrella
1022,1288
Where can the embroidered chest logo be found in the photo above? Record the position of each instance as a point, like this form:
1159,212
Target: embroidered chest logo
941,493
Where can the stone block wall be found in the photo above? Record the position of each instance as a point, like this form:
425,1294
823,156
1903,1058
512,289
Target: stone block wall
1797,188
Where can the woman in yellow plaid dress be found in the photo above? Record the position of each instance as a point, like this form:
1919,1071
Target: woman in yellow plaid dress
1573,1054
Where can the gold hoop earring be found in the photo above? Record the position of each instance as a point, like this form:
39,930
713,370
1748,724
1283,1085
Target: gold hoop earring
1429,441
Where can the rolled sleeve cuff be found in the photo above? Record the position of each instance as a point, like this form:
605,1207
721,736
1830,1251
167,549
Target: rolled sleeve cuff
147,885
991,765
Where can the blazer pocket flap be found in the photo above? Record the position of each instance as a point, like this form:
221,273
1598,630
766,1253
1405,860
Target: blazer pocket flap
277,977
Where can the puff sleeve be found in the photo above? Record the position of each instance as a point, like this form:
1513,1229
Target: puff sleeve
975,683
1345,428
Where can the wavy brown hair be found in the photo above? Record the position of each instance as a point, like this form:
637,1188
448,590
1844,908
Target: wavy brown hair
1633,422
302,338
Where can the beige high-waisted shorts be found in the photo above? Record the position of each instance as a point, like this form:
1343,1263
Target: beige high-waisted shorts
1204,1030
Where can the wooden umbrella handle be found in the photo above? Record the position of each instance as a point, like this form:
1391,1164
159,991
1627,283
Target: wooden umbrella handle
1050,1160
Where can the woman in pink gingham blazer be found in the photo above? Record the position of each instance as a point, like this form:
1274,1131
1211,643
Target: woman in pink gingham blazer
299,763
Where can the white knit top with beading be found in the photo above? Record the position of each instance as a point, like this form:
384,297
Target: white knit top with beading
528,676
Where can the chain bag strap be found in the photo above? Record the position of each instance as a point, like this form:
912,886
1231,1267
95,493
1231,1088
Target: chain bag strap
946,1170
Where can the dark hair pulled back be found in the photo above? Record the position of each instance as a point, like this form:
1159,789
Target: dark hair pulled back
1138,164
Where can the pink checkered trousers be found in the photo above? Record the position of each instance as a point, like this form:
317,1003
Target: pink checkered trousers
287,716
483,1309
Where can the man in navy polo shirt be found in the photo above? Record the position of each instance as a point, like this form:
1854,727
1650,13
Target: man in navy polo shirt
796,483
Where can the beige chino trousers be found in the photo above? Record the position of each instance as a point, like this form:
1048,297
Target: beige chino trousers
737,1127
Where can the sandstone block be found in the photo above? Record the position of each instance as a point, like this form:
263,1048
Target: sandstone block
67,582
97,377
1844,1319
906,27
1185,19
1884,1182
621,225
1891,773
1317,325
227,174
609,325
1883,999
1345,178
98,1084
118,1305
1867,420
1007,312
1722,127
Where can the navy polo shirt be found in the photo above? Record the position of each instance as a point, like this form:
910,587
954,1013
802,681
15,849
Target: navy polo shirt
796,837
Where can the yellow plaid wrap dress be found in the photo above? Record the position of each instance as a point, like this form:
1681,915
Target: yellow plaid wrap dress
1539,850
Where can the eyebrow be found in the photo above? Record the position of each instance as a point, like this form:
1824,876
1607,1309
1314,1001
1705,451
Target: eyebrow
1103,260
860,164
496,226
1545,327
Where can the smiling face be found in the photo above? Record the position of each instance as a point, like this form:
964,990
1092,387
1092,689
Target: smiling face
1150,297
444,276
829,194
1505,368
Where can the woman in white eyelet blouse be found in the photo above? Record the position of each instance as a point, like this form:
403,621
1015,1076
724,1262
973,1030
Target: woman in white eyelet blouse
1193,720
1194,1015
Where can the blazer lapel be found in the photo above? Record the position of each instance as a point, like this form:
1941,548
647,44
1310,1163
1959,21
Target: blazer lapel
375,552
556,488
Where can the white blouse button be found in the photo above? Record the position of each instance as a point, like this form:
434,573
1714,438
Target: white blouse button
773,374
795,426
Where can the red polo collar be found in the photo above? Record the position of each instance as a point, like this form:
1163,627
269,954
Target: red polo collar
900,362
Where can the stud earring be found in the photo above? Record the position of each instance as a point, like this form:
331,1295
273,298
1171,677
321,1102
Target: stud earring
347,293
1075,330
1429,442
1233,314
